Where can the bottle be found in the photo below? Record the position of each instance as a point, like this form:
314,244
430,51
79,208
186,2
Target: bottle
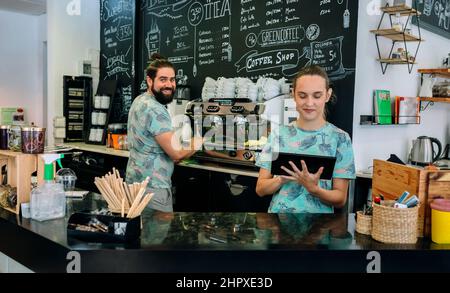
18,117
346,18
48,201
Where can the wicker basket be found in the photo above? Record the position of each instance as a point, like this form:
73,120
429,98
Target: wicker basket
391,225
363,223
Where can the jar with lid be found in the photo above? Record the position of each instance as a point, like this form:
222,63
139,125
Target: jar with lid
33,140
4,129
15,138
442,89
116,131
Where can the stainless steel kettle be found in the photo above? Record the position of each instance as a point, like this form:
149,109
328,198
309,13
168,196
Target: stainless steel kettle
423,153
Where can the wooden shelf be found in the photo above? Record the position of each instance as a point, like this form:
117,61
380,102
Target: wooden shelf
435,100
20,168
395,61
444,72
395,35
398,35
404,10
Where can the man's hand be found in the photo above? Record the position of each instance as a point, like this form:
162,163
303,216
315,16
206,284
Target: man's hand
197,143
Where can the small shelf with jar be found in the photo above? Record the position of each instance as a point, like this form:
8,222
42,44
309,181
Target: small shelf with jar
396,61
441,72
100,112
398,33
439,95
394,120
436,99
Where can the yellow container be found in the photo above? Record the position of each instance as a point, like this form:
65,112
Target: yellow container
440,221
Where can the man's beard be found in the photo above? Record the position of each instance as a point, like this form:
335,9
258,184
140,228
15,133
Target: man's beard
162,98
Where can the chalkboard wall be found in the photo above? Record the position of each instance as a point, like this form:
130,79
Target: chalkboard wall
435,16
251,38
118,52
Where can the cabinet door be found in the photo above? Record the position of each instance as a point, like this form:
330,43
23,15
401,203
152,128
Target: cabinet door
76,103
88,166
191,190
234,193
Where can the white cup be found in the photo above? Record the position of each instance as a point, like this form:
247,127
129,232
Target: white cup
101,118
25,207
95,118
92,134
105,102
99,135
97,102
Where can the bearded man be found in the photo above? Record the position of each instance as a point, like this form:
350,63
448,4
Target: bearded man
153,147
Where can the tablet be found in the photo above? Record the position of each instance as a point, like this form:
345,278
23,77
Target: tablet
312,162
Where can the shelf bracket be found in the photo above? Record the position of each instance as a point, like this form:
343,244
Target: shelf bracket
422,108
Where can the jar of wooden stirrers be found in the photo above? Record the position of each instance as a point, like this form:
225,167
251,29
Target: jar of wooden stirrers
122,198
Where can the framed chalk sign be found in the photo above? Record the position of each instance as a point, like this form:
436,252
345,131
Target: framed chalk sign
435,16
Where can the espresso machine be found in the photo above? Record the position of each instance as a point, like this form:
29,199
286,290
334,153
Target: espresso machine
234,129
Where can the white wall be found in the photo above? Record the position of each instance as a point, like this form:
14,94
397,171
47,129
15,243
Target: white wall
69,39
21,72
378,142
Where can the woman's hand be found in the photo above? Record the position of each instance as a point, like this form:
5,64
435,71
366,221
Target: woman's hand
308,180
283,179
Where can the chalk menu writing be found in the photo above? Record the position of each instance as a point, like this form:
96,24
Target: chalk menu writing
117,52
435,16
248,38
252,38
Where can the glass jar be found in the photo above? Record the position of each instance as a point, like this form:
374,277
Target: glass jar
397,24
33,140
4,129
442,89
67,178
15,138
123,142
114,132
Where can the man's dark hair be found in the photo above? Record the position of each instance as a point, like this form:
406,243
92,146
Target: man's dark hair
156,62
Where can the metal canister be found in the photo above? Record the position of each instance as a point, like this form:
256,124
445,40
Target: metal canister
15,138
33,140
4,129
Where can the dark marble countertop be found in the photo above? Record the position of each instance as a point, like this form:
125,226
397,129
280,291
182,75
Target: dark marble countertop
215,242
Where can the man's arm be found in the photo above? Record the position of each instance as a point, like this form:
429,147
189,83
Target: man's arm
173,148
